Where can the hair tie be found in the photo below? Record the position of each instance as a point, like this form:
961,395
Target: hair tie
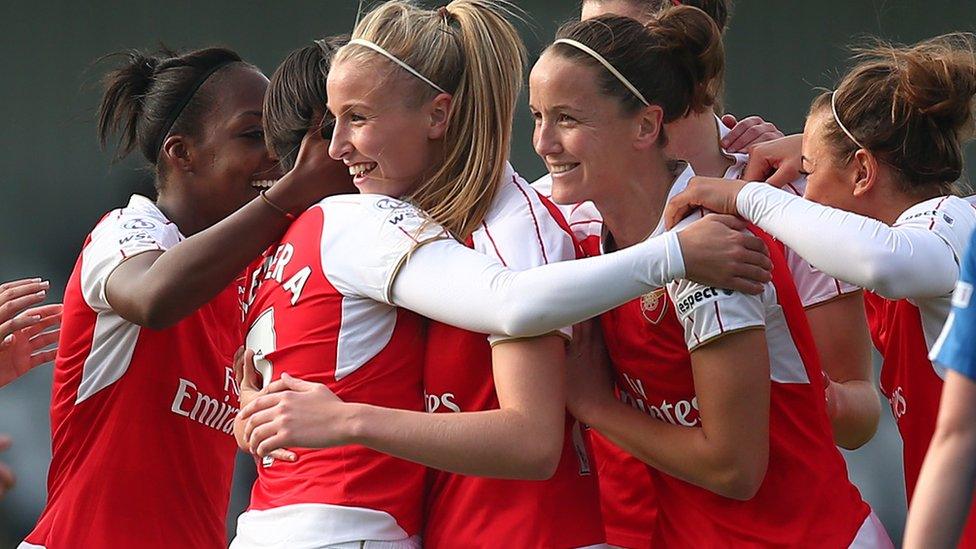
676,2
184,101
613,70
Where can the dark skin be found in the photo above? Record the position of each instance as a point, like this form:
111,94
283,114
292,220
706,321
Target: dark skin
209,194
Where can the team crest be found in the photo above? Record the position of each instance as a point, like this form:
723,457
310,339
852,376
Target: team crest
653,305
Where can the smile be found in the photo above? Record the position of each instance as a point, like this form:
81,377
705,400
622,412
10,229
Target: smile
263,183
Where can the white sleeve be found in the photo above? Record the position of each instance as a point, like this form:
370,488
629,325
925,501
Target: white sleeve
707,313
453,284
121,235
365,240
917,257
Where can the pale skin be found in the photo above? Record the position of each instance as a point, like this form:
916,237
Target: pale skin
596,151
944,491
389,145
863,186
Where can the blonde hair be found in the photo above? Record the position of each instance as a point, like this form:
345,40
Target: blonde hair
470,49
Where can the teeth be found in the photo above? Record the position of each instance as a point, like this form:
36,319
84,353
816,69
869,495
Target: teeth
359,170
561,168
263,183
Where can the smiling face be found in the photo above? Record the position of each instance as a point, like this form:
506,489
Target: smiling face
583,135
381,135
230,162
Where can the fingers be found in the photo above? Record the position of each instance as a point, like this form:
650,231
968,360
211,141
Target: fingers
296,384
258,405
758,133
729,120
249,375
238,366
43,340
730,221
270,444
740,128
45,322
745,285
284,455
19,299
678,208
758,168
43,357
784,175
17,324
7,479
255,421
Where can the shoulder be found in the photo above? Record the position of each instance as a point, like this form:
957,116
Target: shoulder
952,218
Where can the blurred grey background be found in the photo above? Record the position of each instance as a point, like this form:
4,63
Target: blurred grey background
55,182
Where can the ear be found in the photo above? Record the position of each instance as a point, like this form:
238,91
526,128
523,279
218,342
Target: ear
866,168
650,124
440,116
176,151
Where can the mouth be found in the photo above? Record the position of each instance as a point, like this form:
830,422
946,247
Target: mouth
562,169
263,184
360,170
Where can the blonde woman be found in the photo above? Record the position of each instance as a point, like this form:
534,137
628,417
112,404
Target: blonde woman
423,103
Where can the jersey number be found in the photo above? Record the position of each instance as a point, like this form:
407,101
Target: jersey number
261,340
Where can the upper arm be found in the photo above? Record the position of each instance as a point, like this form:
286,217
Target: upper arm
530,376
125,285
732,387
840,331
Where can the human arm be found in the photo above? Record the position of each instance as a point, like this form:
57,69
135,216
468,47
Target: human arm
944,491
22,332
839,329
747,133
157,288
527,303
727,451
522,439
911,259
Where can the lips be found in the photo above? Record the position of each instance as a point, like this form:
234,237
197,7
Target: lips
361,169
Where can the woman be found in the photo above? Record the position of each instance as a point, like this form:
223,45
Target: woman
152,309
444,90
731,468
882,153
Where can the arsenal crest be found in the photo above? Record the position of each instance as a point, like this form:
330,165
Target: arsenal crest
653,305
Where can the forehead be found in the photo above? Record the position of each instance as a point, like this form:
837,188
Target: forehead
241,88
556,79
365,81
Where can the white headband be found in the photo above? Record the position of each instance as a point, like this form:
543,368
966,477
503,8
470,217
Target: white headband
613,70
833,108
395,59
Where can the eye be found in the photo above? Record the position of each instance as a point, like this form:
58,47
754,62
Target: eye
356,117
804,173
255,134
567,119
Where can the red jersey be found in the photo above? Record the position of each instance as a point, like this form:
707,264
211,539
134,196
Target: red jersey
141,419
805,494
323,314
522,230
904,332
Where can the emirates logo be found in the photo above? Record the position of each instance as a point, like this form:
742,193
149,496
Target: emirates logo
653,305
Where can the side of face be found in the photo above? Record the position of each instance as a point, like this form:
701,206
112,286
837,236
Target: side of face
828,182
585,139
228,160
381,135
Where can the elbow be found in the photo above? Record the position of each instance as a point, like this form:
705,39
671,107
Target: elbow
542,462
520,321
741,481
156,317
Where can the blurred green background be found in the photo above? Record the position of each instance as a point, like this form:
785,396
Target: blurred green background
56,182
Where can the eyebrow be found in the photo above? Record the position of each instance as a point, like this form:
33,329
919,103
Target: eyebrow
259,114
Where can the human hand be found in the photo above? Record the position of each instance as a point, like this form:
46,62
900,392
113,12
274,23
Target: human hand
315,174
22,332
714,194
747,133
247,377
589,384
777,162
718,251
294,413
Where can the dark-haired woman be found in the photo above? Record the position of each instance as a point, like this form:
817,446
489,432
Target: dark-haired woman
882,153
144,397
721,393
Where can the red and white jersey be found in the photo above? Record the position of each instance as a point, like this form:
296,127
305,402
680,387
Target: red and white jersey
141,419
522,230
323,314
904,331
806,493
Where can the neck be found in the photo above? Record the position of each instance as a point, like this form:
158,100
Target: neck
891,207
700,145
635,207
179,208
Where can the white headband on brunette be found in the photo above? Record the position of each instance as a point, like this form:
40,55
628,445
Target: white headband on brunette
395,59
613,70
833,108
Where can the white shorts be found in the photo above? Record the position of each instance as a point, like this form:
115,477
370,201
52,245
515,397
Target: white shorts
872,535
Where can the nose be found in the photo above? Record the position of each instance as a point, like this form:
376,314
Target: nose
270,165
340,146
545,140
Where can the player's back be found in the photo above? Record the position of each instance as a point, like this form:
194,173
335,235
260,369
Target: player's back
141,419
521,230
322,314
